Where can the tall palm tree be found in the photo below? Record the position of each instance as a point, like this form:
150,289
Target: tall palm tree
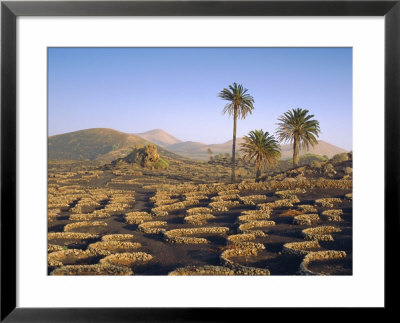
261,147
240,104
297,128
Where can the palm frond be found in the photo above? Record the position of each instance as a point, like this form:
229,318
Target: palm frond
297,123
261,147
241,103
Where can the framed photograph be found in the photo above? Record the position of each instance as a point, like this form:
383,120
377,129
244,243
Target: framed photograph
161,159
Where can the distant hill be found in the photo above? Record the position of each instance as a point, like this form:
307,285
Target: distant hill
99,144
323,148
159,137
196,150
190,149
107,144
91,144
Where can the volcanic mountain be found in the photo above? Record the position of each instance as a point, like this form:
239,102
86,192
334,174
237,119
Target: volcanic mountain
99,144
159,137
200,151
90,144
104,144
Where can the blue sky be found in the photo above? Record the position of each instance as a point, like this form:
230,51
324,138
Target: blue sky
175,89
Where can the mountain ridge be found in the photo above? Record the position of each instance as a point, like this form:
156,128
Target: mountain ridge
90,144
198,150
106,144
159,137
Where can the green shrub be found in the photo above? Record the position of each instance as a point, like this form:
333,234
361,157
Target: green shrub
316,164
161,164
308,158
338,158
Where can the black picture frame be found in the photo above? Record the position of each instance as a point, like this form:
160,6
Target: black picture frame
10,10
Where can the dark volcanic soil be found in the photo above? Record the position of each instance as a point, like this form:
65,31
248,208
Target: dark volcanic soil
168,257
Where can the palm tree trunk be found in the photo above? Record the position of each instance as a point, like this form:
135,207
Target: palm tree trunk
258,173
295,152
234,145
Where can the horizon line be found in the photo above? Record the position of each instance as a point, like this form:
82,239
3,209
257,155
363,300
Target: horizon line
181,141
